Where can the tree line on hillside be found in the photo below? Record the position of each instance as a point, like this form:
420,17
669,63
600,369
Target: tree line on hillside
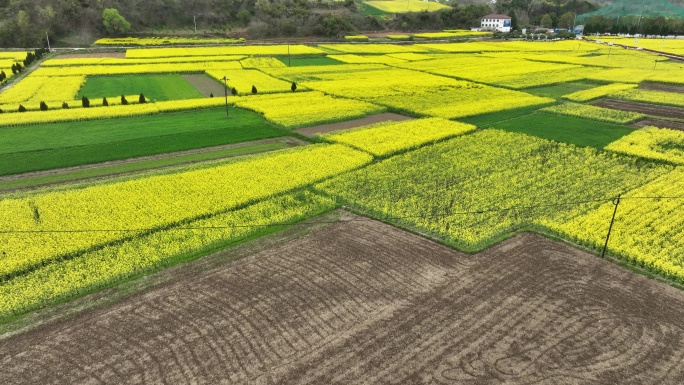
24,23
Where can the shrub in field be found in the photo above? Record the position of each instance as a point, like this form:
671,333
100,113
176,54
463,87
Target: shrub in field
142,99
22,108
234,91
254,90
293,87
105,103
43,106
3,76
65,105
85,102
211,94
124,102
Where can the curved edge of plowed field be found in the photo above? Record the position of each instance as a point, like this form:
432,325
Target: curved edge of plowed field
355,300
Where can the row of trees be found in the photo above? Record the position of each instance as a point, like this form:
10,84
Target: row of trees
85,103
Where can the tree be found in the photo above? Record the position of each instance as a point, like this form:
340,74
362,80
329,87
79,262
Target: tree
65,105
211,94
514,21
22,108
124,102
114,23
14,69
234,91
566,20
546,21
105,103
141,99
3,76
43,106
254,90
294,87
85,102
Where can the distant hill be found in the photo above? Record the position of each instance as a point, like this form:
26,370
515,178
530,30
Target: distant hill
650,8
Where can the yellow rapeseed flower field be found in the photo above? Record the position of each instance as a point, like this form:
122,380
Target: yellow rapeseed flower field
294,49
653,143
243,80
473,188
93,216
114,262
598,92
647,231
595,113
386,138
300,109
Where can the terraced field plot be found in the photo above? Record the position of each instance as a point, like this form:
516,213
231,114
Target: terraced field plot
362,302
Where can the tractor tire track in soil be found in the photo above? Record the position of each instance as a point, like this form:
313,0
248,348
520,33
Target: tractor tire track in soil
363,302
377,118
644,108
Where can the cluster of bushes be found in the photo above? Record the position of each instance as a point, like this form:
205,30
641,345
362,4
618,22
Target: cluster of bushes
34,56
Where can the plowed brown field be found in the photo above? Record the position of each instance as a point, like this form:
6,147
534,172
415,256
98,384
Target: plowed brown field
363,302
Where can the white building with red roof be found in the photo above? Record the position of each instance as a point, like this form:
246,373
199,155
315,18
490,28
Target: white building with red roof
496,22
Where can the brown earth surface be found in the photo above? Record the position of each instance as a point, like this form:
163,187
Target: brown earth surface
206,85
662,87
362,302
644,108
660,123
115,55
372,119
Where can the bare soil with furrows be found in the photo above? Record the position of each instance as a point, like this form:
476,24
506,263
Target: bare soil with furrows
644,108
662,87
362,302
660,123
372,119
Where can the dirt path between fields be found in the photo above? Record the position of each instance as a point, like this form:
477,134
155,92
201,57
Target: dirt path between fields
660,123
644,108
325,128
359,301
205,85
662,87
290,141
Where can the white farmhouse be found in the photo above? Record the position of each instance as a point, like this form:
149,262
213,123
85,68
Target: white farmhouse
495,22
